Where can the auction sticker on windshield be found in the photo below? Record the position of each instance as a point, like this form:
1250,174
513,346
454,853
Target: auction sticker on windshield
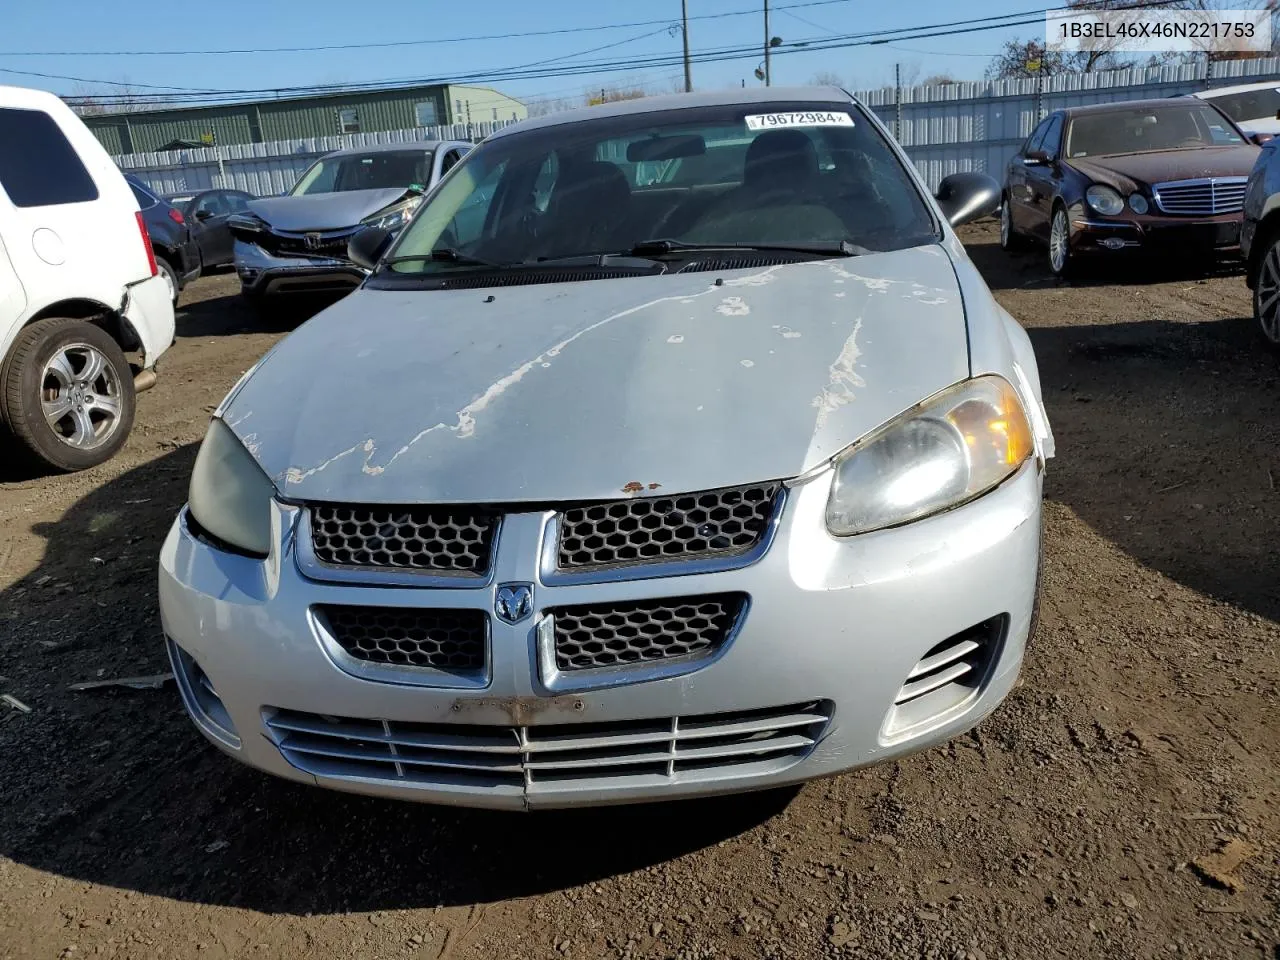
772,121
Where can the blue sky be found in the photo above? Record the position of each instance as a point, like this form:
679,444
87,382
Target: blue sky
131,25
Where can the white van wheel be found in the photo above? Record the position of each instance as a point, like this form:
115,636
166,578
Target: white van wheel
67,393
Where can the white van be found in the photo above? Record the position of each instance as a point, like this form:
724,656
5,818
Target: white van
83,313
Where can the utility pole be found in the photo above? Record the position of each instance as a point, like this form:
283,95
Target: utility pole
684,21
897,102
766,43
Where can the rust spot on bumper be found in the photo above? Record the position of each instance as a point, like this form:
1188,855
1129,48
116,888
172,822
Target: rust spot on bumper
519,710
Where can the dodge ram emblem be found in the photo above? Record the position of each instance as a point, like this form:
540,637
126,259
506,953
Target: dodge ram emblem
514,602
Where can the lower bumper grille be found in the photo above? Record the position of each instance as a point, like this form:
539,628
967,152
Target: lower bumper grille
450,640
948,674
598,635
621,753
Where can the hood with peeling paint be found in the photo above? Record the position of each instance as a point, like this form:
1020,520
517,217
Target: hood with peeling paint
573,391
324,211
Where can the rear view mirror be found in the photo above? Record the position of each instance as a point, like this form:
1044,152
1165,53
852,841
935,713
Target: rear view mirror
204,214
1261,138
366,247
1035,158
666,148
965,197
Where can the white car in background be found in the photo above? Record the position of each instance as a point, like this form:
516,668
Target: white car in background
1255,107
84,314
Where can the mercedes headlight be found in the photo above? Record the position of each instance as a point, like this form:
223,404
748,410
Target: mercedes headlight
1139,203
393,219
230,496
1104,200
938,455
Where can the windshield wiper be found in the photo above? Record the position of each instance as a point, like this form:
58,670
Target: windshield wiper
829,248
445,255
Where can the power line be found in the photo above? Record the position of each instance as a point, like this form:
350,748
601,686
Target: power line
871,38
403,43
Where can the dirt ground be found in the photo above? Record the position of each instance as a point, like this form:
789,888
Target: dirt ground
1143,737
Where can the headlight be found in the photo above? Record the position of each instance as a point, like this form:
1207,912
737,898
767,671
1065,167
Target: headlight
949,449
230,496
1104,200
393,219
1138,203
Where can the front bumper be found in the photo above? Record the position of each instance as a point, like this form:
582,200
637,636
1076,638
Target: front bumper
262,273
1163,236
837,622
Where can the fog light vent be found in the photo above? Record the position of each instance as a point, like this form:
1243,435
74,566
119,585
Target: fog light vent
948,675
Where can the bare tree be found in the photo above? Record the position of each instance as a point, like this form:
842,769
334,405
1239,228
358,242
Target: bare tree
826,78
938,80
117,98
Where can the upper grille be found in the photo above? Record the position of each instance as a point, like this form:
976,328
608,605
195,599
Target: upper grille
325,245
607,634
1201,197
560,756
436,539
654,529
451,640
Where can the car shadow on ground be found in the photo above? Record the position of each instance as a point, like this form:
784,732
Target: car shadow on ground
1029,269
231,314
1168,444
116,787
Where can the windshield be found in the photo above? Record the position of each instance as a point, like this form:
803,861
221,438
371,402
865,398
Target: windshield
366,171
1250,105
1145,129
740,174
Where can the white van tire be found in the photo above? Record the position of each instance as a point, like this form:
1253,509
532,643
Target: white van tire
62,364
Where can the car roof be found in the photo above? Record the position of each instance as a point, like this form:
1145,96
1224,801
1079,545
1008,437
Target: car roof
683,101
1239,88
1119,105
423,145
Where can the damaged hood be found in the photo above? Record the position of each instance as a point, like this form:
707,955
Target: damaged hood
325,211
580,391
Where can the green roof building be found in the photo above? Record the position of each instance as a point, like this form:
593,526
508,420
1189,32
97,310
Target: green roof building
263,121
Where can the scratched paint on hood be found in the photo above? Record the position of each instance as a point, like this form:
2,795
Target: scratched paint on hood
570,391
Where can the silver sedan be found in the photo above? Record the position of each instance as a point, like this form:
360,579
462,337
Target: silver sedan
675,447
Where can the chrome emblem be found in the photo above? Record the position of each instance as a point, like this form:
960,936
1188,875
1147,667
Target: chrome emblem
514,602
313,240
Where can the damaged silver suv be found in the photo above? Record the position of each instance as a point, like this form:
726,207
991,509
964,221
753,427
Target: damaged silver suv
675,447
298,243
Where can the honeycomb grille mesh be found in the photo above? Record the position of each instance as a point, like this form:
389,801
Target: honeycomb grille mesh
433,539
656,529
609,634
409,637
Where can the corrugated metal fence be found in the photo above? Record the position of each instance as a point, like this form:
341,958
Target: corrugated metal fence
267,169
945,128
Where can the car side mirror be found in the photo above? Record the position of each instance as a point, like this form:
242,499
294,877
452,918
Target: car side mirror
1261,138
366,247
965,197
204,214
1035,158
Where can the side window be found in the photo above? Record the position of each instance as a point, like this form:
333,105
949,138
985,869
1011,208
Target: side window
238,202
450,160
211,203
468,223
545,182
1052,142
38,165
1036,139
348,120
